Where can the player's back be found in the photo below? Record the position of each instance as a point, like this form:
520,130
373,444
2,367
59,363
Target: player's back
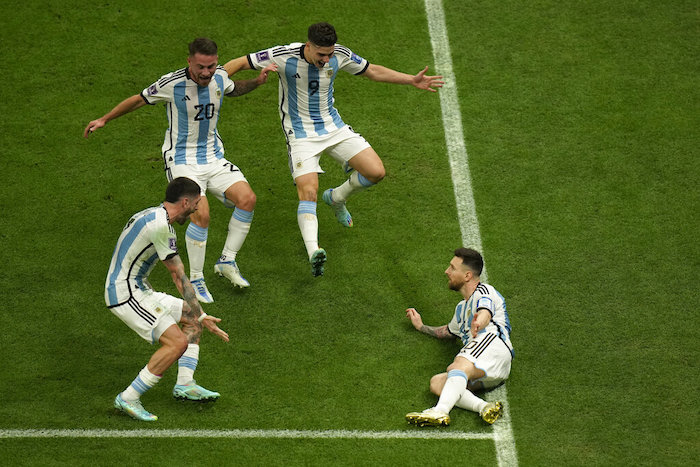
135,255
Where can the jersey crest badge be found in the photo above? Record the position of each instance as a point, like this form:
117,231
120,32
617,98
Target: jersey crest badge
262,56
329,72
218,93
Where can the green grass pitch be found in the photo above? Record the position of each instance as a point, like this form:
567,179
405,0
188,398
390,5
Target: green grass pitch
581,124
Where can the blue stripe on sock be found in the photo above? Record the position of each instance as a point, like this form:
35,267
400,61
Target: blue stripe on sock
243,215
307,207
139,385
196,232
457,373
188,362
363,181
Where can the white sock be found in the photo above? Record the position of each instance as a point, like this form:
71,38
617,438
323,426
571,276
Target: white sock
142,383
238,228
454,387
196,241
308,225
187,364
471,402
356,182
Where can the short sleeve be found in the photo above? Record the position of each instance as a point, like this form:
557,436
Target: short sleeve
158,91
349,61
164,240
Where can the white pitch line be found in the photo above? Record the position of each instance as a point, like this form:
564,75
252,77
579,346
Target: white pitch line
464,196
244,434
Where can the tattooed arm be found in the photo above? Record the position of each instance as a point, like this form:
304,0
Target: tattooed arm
441,332
245,86
192,311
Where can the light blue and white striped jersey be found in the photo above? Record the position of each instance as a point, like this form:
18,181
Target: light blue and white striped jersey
146,238
485,296
305,92
193,113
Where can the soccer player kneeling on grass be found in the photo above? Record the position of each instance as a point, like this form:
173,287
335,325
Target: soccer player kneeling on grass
147,238
481,321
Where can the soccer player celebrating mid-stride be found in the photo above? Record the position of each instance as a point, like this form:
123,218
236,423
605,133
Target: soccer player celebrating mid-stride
312,125
156,316
192,148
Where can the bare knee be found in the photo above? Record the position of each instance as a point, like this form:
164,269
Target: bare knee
247,201
308,193
374,174
178,345
200,218
378,175
437,382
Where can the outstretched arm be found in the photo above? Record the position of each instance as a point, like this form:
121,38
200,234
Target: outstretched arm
441,332
420,80
237,64
245,86
127,105
194,309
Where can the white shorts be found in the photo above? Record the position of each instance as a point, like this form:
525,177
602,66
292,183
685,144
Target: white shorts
150,313
215,178
491,355
342,145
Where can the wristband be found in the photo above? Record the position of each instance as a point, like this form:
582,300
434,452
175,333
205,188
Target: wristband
201,317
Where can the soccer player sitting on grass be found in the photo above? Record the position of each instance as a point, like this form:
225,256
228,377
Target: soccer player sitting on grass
312,124
147,238
481,321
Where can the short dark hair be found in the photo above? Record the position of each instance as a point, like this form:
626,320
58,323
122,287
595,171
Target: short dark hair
472,259
204,46
322,35
181,187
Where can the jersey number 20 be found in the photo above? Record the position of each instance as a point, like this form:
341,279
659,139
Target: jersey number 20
207,110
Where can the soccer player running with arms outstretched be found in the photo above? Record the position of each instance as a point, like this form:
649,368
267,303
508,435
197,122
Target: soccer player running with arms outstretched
312,125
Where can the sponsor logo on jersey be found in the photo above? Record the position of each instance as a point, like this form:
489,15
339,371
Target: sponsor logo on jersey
262,56
296,76
152,90
356,58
